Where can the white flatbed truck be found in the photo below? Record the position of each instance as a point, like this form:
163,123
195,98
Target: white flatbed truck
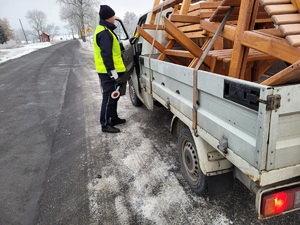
239,129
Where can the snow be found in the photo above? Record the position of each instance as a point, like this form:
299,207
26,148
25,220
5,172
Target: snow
12,50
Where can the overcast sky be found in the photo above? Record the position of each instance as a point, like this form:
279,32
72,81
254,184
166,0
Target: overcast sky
14,10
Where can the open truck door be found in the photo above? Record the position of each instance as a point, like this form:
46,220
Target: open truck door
127,53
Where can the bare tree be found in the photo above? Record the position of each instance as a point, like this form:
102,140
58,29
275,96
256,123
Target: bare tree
6,29
37,19
52,30
130,21
78,13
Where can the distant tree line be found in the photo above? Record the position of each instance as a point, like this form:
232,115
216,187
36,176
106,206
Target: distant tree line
81,16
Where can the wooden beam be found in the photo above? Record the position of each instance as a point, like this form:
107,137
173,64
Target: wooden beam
184,18
153,14
273,46
272,31
296,3
286,18
169,45
231,2
260,67
182,39
280,9
212,27
290,29
179,53
155,43
238,62
288,75
273,2
150,39
152,27
165,5
185,7
294,40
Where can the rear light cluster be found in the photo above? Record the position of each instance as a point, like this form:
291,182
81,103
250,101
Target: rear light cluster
279,202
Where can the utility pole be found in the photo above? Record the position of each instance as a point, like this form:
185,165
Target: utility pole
23,31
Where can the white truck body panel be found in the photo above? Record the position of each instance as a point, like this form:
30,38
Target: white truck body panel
263,144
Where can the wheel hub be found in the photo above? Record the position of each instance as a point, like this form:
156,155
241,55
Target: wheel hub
190,161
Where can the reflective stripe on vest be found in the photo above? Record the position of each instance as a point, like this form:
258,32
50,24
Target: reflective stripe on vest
116,52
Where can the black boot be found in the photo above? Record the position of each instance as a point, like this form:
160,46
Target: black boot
110,129
117,121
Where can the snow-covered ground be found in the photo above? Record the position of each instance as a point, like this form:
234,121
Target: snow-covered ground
12,50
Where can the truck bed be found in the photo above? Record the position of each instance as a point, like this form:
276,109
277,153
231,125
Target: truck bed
260,123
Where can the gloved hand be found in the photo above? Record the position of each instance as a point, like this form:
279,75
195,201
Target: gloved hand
114,75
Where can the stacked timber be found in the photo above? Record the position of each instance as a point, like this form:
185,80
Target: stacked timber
236,38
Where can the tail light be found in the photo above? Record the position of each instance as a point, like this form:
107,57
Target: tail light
280,201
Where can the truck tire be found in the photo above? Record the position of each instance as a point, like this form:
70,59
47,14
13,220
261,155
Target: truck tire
189,162
133,96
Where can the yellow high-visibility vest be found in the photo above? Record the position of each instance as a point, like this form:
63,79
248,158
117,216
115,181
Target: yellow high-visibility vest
116,53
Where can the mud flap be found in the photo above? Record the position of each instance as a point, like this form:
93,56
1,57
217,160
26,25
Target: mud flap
219,185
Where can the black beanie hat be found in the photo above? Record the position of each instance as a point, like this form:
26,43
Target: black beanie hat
106,12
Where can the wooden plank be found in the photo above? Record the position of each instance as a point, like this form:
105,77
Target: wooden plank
153,14
179,53
169,45
231,3
205,14
152,27
247,12
286,19
225,55
156,44
165,5
191,28
193,64
287,76
278,48
280,9
273,2
184,18
260,67
272,31
221,11
182,39
290,29
266,20
212,27
150,39
294,40
296,3
185,7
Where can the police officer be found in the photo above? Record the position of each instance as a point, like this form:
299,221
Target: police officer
109,66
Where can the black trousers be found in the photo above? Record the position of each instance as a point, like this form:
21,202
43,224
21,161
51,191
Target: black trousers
109,105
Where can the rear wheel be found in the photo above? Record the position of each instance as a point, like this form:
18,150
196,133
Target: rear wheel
133,96
189,162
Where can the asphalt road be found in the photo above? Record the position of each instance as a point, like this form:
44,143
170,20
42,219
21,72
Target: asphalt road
57,167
